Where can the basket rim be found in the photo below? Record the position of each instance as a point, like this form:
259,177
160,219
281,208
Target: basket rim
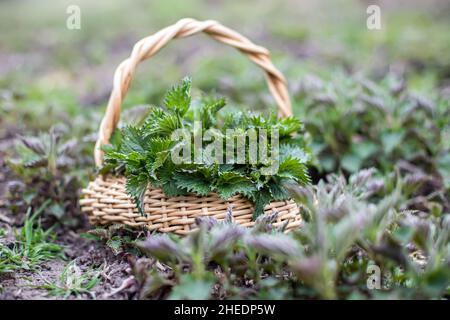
236,196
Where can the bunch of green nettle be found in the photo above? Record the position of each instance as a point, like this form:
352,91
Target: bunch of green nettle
188,146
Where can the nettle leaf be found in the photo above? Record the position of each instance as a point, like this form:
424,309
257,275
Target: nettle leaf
178,99
68,148
111,154
159,150
291,168
390,140
288,126
230,177
259,121
288,150
151,123
160,158
171,189
231,183
34,144
278,192
165,173
209,110
285,126
36,162
226,191
192,288
351,162
47,150
261,199
133,140
192,183
226,167
115,244
116,138
168,124
136,186
134,161
233,120
160,123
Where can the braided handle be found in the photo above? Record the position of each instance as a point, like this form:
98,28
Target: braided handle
149,46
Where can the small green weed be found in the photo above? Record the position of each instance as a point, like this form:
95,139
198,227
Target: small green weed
117,237
73,281
31,247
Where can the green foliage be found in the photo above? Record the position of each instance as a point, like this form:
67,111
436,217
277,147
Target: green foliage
117,237
348,226
178,99
73,281
356,123
46,151
31,247
143,153
213,242
48,167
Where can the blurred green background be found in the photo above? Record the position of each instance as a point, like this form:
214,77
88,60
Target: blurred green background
39,55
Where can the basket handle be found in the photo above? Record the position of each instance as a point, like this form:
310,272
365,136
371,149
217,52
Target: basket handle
149,46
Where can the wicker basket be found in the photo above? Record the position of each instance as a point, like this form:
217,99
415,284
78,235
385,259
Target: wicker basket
105,199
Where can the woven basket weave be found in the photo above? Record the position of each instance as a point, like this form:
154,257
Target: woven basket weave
105,199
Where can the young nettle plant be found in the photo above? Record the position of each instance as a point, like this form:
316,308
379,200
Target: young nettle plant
356,123
188,146
350,225
48,166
